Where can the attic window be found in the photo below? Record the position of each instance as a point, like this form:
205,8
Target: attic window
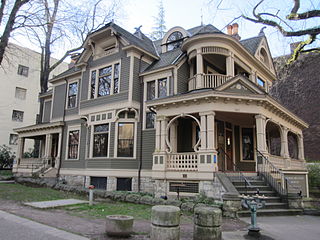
174,40
264,57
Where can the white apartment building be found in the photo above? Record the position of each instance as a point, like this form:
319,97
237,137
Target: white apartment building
19,90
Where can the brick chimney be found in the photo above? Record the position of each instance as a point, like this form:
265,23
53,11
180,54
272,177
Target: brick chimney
232,30
229,28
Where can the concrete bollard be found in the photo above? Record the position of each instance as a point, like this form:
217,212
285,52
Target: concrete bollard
91,187
165,222
207,223
119,225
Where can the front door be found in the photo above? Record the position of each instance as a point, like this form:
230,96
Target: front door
229,150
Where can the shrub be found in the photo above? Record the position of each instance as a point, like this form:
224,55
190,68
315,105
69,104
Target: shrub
6,157
314,175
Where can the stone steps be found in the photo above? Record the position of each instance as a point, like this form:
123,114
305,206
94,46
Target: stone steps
272,212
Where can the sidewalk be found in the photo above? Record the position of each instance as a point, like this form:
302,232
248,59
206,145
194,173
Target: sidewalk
13,227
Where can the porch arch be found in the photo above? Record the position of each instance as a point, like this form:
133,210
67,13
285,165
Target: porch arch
293,145
273,138
195,147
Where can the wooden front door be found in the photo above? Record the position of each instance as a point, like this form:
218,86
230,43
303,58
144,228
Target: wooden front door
229,150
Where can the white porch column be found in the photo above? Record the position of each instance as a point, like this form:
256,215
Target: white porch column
210,131
199,69
300,147
58,158
173,136
203,133
164,123
230,64
158,133
261,133
284,142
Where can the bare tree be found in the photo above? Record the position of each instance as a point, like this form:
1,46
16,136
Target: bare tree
10,24
286,26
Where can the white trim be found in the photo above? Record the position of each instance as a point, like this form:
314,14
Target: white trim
92,136
73,128
67,93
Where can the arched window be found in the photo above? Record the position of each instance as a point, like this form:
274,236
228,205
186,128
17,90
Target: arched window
174,40
264,57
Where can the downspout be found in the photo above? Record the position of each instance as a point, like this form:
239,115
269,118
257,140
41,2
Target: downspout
141,123
62,132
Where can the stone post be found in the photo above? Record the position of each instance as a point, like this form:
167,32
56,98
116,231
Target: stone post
230,65
21,141
231,205
165,221
300,147
210,131
261,133
207,223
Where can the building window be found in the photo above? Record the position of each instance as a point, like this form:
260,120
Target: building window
100,140
17,116
174,40
13,140
247,144
151,90
261,82
99,182
72,94
162,87
124,184
21,93
73,144
125,139
23,70
150,118
105,81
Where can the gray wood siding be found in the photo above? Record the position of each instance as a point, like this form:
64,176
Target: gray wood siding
112,138
47,111
124,72
72,111
148,143
183,76
136,80
105,100
59,101
82,146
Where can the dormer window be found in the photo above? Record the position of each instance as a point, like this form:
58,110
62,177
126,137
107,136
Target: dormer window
174,40
264,57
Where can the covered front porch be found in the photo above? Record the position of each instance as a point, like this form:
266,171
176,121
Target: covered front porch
45,155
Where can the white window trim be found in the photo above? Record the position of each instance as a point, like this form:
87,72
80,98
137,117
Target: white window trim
67,98
254,142
97,79
73,128
44,103
92,135
156,80
126,120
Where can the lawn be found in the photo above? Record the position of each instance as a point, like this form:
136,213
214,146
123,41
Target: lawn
21,193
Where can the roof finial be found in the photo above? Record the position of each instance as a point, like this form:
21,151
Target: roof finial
201,18
138,32
261,33
138,28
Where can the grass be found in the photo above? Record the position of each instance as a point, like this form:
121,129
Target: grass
21,193
101,210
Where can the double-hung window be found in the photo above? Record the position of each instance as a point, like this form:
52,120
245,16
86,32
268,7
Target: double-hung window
125,139
105,81
157,88
162,87
73,144
72,94
100,140
150,118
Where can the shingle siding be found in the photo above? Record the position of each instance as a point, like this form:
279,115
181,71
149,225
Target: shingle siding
136,80
59,97
148,143
183,77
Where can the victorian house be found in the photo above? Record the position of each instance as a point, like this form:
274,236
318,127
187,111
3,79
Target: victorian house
139,115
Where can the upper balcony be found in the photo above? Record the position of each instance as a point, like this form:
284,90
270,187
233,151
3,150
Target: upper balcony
201,80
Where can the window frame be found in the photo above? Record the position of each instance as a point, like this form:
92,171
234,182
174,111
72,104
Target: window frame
156,81
67,98
17,111
241,144
70,129
21,72
154,125
92,138
25,92
135,126
97,80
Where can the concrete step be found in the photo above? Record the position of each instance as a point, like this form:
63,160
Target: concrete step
276,205
272,212
265,193
253,188
256,183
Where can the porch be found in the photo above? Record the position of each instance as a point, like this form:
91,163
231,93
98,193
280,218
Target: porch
46,150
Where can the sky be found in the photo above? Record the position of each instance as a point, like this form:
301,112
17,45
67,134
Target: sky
190,13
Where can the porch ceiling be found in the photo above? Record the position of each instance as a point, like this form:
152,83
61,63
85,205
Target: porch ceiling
39,129
238,118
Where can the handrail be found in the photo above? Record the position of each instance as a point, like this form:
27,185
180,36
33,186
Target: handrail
271,173
241,175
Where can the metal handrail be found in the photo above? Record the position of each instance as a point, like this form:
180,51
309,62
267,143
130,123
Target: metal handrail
241,175
271,173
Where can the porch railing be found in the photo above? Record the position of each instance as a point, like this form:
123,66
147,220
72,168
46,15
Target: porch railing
207,81
277,161
275,177
183,161
297,164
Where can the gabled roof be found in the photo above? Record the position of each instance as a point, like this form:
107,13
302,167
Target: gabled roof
251,44
166,59
66,73
203,29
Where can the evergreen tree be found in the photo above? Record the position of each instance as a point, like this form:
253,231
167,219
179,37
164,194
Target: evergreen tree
160,27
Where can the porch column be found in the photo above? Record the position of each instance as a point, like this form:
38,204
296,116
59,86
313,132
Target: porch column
199,68
164,123
261,133
300,147
210,131
173,136
48,145
230,64
284,142
203,133
158,133
58,158
20,151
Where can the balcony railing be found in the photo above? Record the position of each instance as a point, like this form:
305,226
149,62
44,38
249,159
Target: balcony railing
199,81
182,161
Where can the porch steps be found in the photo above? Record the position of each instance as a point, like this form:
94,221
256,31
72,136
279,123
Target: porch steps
274,204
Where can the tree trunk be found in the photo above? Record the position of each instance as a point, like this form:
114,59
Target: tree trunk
9,26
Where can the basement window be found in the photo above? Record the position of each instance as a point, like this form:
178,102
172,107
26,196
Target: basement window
124,184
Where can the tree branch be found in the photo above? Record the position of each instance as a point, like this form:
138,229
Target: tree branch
64,57
294,15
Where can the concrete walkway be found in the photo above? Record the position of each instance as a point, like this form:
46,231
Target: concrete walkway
13,227
282,228
55,203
